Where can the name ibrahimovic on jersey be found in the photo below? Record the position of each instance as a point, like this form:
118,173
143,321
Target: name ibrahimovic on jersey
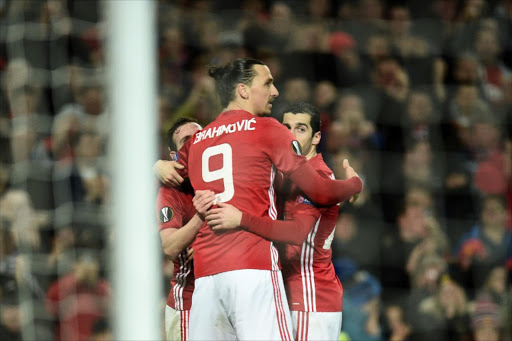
225,129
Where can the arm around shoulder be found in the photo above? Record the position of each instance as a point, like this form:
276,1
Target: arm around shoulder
174,241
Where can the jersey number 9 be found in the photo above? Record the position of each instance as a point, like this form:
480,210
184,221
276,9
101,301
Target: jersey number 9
225,173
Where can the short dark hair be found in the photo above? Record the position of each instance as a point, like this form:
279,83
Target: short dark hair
227,77
180,122
306,108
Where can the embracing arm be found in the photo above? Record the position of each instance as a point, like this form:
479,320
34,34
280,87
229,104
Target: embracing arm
289,231
168,172
174,241
227,217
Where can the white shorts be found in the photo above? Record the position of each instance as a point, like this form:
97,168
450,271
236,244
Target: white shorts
240,305
316,325
176,324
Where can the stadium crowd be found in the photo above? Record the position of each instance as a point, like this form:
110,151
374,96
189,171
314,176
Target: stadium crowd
416,94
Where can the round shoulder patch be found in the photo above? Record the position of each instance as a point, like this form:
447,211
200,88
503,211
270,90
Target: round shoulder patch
296,147
166,214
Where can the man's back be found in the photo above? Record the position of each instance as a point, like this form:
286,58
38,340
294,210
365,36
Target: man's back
234,157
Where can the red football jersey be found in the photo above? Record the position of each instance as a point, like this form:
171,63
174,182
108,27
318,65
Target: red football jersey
174,210
236,156
309,277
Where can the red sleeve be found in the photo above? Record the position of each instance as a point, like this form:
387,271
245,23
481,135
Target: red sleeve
291,231
169,209
281,146
324,191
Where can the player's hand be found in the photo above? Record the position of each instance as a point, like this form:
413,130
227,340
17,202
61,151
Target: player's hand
202,202
349,173
224,217
167,173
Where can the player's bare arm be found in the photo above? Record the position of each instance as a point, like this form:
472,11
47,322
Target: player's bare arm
167,173
174,241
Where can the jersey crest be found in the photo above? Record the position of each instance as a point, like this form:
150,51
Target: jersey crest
303,200
166,214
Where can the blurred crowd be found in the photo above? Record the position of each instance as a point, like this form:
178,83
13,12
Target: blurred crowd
416,94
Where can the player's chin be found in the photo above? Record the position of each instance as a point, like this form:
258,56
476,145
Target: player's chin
265,113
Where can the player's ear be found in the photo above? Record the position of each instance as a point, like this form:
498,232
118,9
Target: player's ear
172,154
316,138
242,91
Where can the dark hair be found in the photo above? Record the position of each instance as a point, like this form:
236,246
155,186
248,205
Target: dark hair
227,77
306,108
180,122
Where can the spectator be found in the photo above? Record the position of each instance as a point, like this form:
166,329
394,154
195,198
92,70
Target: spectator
396,328
349,67
486,245
466,70
10,317
404,42
438,307
78,299
89,112
422,121
495,291
280,26
377,48
84,180
362,299
324,97
60,259
358,133
420,168
20,218
422,197
357,237
466,107
496,75
296,90
202,100
490,174
396,247
486,324
435,243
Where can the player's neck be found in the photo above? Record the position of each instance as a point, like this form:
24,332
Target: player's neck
235,105
312,153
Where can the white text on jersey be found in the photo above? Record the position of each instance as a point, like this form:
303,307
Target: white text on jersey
225,129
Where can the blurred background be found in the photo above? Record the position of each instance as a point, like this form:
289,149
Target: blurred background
416,94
